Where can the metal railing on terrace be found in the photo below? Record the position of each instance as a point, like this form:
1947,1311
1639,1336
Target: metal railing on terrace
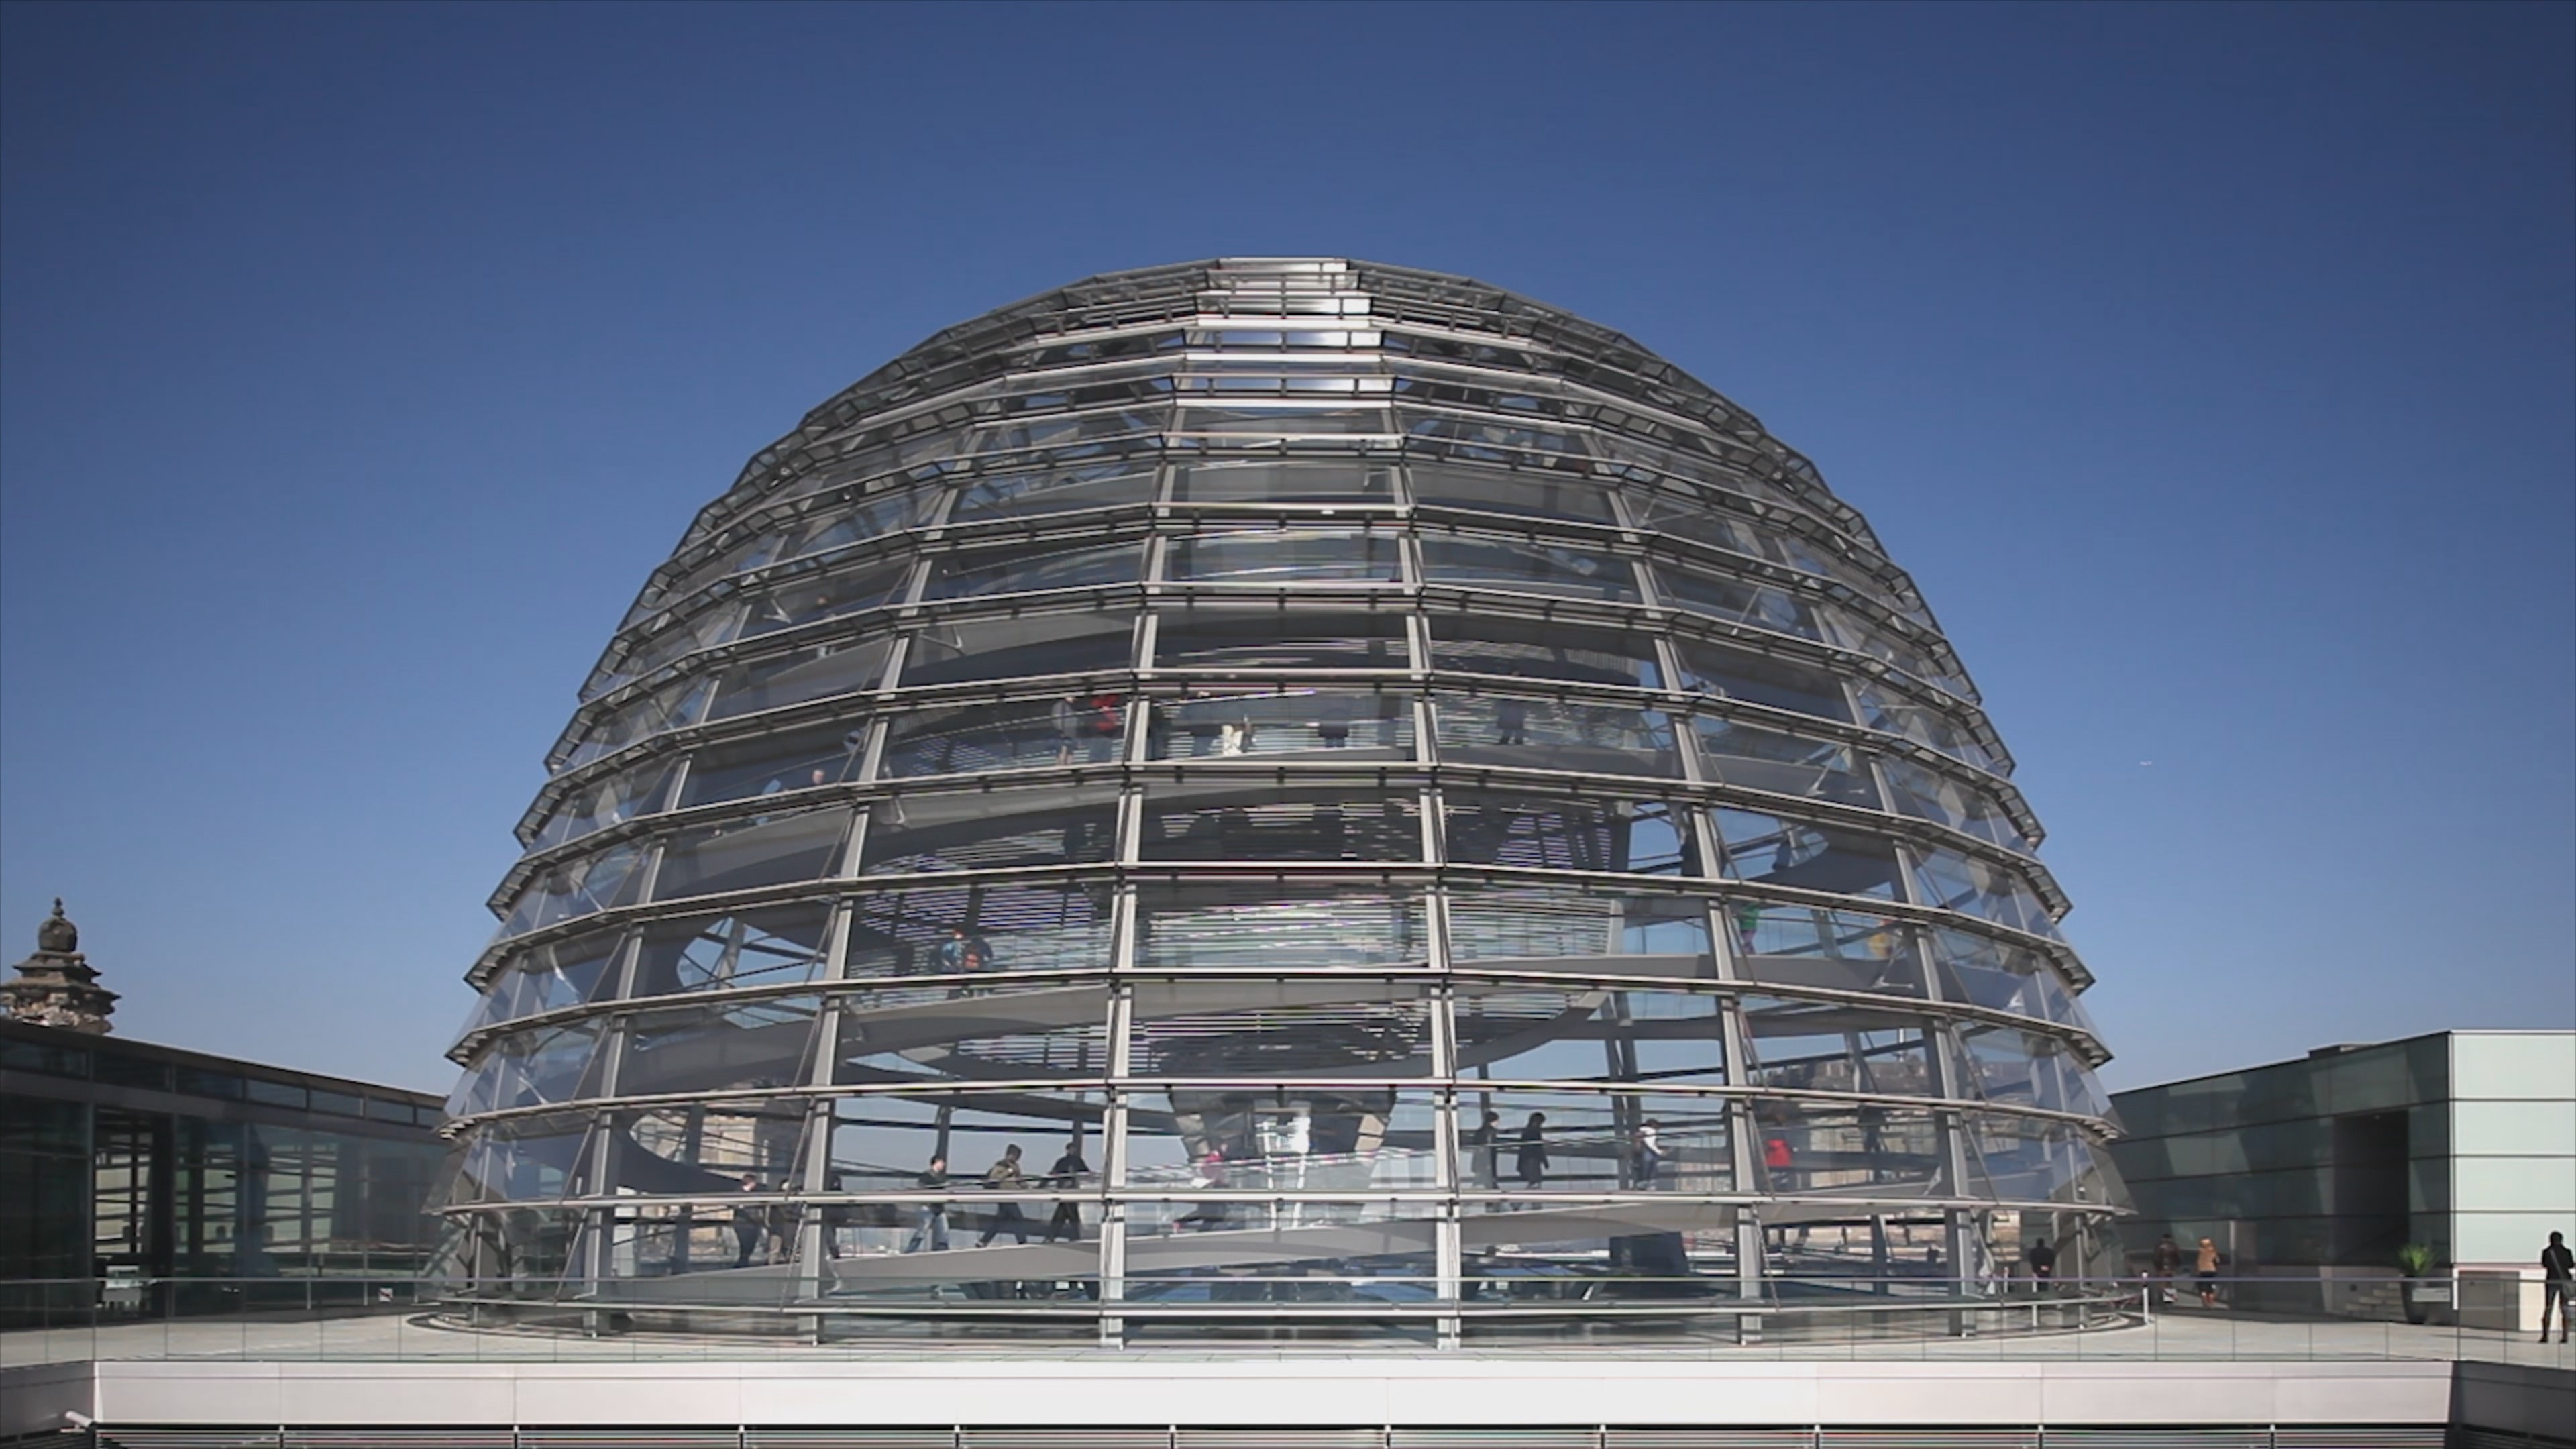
1524,1310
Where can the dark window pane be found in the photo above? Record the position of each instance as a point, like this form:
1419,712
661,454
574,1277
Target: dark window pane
1019,648
277,1094
776,764
1272,640
1778,683
1544,651
978,830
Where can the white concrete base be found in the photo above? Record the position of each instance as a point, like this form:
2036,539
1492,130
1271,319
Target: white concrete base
1316,1392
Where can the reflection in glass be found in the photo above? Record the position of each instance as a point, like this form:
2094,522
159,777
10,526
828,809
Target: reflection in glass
1882,708
1739,674
1752,757
778,680
598,804
777,764
1528,568
1021,495
550,977
1569,1034
1529,496
1273,640
1550,734
1763,606
1004,648
1253,1028
1980,888
1264,481
1774,850
1253,925
1283,556
764,947
1642,837
1033,570
794,598
1221,724
1475,645
932,833
1254,820
772,849
1919,792
978,737
577,887
1579,930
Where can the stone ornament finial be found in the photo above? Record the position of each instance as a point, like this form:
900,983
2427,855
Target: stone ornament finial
58,934
57,986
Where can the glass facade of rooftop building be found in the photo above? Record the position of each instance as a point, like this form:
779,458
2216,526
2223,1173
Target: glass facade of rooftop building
1267,790
175,1176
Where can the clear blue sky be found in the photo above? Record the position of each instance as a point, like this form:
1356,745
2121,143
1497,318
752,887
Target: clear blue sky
2210,366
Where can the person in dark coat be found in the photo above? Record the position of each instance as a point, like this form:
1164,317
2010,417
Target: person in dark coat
1532,1162
1066,1175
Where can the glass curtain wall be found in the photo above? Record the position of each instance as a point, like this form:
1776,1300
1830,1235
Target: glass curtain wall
1274,797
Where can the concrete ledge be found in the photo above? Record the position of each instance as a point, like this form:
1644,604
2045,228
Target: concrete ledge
34,1397
2539,1403
1220,1393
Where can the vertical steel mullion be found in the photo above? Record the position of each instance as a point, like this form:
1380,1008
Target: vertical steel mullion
856,839
1134,745
1448,1257
854,832
941,507
1668,660
1743,1132
821,1071
871,762
1950,1065
1623,516
601,1152
1113,1168
1907,872
1648,595
650,873
1143,644
677,787
1691,750
917,577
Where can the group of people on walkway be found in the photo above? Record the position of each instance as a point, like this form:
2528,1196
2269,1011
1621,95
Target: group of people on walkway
2205,1261
2557,1276
930,1219
1531,1162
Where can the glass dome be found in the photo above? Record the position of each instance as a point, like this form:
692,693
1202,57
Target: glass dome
1293,797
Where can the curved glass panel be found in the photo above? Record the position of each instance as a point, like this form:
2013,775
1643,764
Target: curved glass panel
1553,734
1526,568
1033,570
1025,495
601,803
1267,481
775,764
1281,557
1301,723
1534,497
778,680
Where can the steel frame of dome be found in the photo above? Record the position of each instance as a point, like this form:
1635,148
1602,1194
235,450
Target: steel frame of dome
1271,726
